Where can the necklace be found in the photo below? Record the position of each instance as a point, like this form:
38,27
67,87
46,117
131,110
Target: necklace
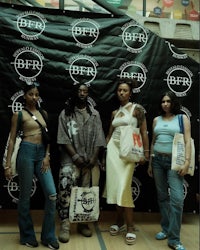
81,110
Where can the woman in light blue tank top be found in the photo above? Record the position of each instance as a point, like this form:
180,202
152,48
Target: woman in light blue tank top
169,183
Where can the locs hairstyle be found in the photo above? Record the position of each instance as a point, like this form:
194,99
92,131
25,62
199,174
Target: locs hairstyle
73,100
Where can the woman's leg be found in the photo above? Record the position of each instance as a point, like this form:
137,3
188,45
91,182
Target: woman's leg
25,169
47,183
176,206
129,219
120,216
160,165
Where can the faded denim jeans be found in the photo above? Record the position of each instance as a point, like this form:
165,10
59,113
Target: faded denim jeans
29,162
170,194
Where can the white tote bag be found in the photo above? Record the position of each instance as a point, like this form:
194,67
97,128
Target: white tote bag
178,150
14,154
84,204
16,147
131,146
178,154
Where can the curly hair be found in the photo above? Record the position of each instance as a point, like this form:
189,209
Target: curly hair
175,105
132,83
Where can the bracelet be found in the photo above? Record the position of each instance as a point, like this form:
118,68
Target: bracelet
75,157
6,168
187,159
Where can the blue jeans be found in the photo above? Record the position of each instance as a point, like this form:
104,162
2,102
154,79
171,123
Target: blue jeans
170,192
29,162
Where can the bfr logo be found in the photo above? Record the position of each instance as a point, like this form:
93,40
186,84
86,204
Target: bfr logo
179,79
28,63
83,69
13,188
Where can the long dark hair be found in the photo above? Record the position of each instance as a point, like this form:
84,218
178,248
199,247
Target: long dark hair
73,100
28,87
175,105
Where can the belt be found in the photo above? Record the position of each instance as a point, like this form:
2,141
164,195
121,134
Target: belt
163,154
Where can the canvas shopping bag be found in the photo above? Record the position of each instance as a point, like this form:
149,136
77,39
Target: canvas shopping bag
178,154
84,204
131,146
16,147
178,151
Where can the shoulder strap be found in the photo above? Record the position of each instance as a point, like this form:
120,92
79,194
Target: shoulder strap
34,117
132,108
19,120
43,115
181,125
131,111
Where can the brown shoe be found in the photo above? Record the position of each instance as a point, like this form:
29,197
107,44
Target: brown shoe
64,233
84,230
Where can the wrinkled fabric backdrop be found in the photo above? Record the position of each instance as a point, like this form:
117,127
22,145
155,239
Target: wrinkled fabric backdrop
61,48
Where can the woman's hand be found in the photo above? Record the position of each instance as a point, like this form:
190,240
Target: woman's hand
150,171
183,171
45,164
8,173
142,161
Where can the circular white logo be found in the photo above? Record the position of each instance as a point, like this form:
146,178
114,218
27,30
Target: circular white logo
179,79
178,55
134,70
88,201
13,188
134,34
85,32
31,24
17,101
28,63
83,69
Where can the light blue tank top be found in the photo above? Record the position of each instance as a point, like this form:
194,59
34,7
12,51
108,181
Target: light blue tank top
164,132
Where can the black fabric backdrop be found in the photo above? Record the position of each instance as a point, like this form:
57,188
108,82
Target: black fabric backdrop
61,48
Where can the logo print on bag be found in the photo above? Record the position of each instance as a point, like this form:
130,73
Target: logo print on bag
88,201
136,140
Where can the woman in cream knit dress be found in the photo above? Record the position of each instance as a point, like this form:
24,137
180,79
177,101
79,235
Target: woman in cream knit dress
119,173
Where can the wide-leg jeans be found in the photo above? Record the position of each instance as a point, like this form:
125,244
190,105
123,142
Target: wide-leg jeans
170,194
29,162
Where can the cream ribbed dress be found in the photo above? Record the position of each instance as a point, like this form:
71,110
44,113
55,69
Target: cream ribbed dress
118,172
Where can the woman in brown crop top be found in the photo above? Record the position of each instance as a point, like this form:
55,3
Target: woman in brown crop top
32,159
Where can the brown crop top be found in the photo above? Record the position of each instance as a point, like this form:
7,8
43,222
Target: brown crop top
29,126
